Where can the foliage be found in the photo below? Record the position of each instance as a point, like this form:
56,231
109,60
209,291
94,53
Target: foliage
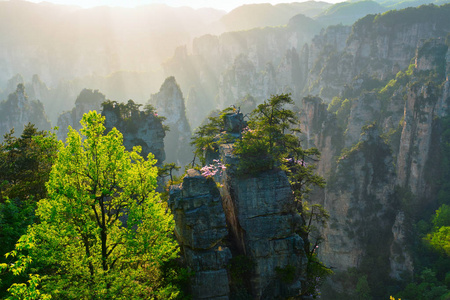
130,113
25,164
167,169
363,289
425,287
440,239
341,108
208,137
103,231
267,141
204,138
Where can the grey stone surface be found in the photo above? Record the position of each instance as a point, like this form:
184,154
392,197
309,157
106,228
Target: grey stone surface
262,219
200,228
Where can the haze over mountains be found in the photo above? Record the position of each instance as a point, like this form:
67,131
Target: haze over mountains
120,50
369,82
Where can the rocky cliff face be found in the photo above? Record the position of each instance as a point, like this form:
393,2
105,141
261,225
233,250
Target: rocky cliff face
139,128
169,102
86,101
360,199
378,46
262,220
18,111
380,157
255,217
258,62
201,231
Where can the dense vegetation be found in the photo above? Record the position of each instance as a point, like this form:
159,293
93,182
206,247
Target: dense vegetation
25,165
101,232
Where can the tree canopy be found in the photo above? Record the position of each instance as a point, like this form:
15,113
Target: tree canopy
103,232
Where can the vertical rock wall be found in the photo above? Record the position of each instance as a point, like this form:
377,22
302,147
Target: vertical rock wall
255,215
201,231
169,103
18,110
262,221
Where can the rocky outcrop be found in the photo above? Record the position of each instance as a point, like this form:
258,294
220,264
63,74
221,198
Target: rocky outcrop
381,160
255,216
169,102
377,45
86,101
359,198
262,221
201,231
18,111
139,128
257,62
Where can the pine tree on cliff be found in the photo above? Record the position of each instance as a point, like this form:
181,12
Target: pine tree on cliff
270,141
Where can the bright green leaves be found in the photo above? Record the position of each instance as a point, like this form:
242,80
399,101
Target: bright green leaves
206,138
439,238
103,231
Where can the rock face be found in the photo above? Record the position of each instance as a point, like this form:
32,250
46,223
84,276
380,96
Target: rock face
380,157
359,198
169,103
86,101
18,111
201,231
139,128
255,216
259,62
377,46
262,221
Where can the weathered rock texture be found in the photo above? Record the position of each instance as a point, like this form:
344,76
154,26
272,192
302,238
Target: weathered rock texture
201,231
139,129
169,103
17,111
256,216
379,148
262,221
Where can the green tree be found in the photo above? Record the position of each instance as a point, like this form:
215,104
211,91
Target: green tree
267,140
25,164
103,231
271,141
209,136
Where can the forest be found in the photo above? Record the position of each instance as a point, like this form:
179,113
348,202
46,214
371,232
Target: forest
273,151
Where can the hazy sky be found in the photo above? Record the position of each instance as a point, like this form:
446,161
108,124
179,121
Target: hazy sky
222,4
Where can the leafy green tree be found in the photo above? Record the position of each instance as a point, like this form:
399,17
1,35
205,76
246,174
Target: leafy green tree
103,233
25,164
267,140
209,136
167,171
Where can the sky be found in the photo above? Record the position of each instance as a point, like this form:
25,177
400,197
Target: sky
226,5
